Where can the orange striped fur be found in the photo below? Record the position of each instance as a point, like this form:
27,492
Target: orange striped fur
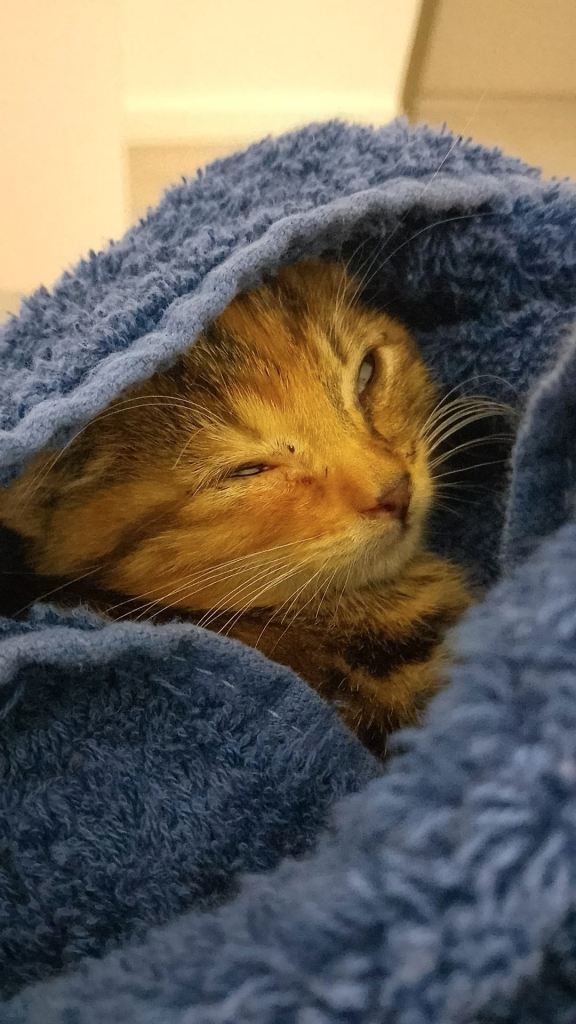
275,485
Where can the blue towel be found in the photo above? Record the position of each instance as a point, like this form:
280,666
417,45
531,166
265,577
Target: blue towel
146,770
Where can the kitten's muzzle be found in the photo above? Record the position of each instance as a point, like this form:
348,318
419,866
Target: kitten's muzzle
394,501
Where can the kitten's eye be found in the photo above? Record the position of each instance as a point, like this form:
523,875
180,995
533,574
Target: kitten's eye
366,372
250,470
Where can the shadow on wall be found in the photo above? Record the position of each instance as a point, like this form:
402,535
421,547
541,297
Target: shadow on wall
464,72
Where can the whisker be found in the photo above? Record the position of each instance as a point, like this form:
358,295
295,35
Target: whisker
447,508
196,576
345,584
55,590
276,611
291,598
468,421
456,422
455,143
468,469
297,593
317,591
188,442
458,485
468,444
230,623
428,227
190,589
474,378
452,497
327,588
216,609
460,407
299,610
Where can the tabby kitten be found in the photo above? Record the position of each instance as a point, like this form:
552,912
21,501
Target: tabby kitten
273,485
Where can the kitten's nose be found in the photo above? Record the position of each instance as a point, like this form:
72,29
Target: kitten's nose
394,501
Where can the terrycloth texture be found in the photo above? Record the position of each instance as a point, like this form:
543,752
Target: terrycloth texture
144,768
446,894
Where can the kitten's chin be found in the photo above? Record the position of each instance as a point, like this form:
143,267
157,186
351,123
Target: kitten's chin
385,558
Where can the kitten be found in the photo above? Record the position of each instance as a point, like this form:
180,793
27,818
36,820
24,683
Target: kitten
274,485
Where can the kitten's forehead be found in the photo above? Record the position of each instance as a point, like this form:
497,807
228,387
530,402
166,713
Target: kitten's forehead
292,349
310,312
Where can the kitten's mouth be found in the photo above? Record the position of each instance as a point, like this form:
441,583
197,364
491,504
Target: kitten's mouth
394,501
400,521
393,527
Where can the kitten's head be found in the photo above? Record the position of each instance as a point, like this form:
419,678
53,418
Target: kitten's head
282,455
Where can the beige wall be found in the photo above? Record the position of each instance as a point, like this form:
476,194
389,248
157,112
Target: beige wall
243,68
105,102
508,48
61,165
83,81
504,72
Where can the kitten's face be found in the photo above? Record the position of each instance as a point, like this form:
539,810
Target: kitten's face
283,455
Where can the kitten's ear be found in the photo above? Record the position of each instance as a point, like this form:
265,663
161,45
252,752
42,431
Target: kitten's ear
106,524
319,281
69,530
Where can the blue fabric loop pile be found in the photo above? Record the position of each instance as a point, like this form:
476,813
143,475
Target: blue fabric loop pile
145,770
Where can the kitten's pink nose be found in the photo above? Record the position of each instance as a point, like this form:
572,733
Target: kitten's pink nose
395,500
